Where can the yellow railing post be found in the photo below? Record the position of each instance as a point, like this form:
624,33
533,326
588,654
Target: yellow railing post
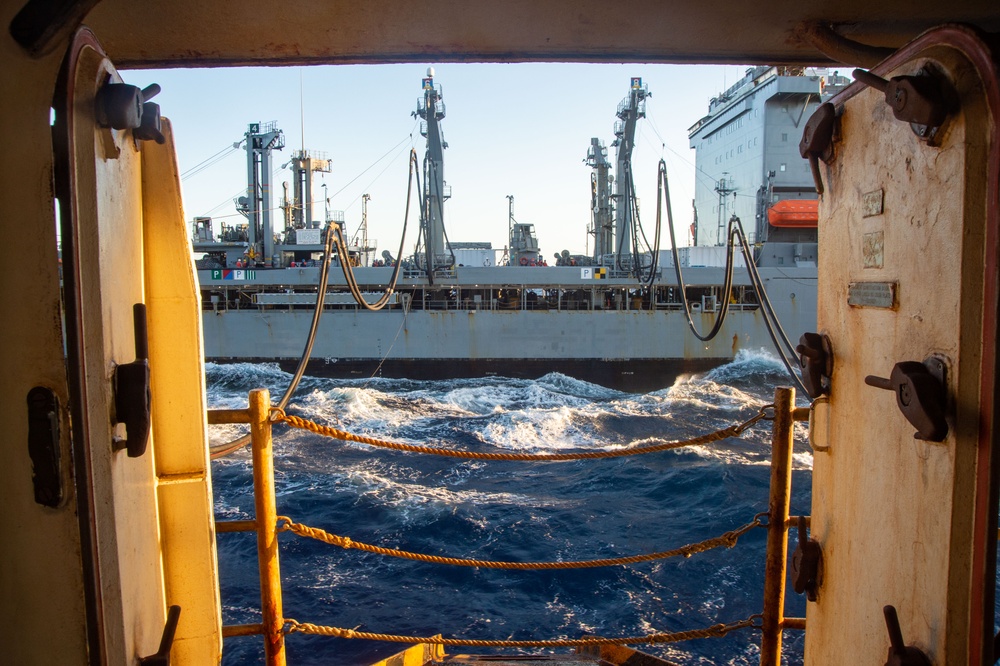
267,527
777,532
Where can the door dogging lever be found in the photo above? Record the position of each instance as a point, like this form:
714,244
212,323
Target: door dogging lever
807,560
817,140
816,362
920,395
122,106
918,100
901,654
162,656
132,394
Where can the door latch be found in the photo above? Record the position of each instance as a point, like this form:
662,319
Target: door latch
817,140
43,446
162,656
922,100
123,106
132,395
901,654
816,362
920,394
807,562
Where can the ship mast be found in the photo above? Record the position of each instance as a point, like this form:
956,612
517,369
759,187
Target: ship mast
430,109
304,164
261,139
630,110
363,231
600,199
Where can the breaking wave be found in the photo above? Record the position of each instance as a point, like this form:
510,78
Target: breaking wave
508,510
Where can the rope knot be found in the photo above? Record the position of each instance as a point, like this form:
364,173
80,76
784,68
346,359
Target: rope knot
277,415
284,523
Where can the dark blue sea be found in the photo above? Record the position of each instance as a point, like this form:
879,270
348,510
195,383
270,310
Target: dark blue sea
509,511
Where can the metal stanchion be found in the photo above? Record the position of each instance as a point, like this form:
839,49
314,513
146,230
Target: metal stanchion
267,528
777,532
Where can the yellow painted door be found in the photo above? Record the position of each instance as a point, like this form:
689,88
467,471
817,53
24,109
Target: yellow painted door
147,535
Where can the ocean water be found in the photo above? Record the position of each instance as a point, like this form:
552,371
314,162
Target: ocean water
509,511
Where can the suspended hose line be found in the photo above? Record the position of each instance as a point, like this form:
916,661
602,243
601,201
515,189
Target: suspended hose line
220,450
333,236
654,250
734,234
344,256
663,197
781,343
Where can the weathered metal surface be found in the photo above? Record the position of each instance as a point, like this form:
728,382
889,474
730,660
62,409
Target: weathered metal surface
190,33
221,416
416,655
873,246
920,396
879,490
622,655
872,294
871,203
816,363
817,140
918,100
901,654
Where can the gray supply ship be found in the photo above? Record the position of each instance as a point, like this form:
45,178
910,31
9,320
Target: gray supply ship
614,317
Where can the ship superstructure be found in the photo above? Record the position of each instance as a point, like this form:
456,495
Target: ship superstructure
466,309
748,162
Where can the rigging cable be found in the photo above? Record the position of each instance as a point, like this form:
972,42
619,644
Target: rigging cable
208,161
372,165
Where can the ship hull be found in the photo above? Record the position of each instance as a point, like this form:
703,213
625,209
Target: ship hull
632,375
637,350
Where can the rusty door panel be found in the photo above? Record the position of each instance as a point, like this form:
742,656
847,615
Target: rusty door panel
904,521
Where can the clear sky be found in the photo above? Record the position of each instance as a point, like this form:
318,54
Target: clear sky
515,129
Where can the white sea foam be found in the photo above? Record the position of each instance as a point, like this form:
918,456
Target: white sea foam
415,501
538,430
